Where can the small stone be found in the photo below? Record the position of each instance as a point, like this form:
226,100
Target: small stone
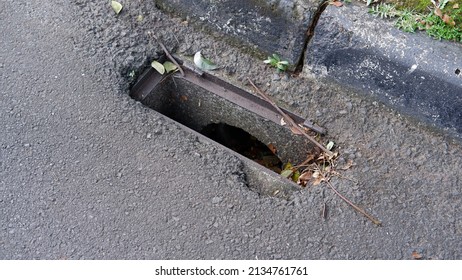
277,256
275,77
343,112
149,136
349,106
216,199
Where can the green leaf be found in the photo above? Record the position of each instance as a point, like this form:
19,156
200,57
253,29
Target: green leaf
284,62
116,6
170,66
286,173
276,57
287,166
203,63
159,67
330,145
267,60
281,67
295,176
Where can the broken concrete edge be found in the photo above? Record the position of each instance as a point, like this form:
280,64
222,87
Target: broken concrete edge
257,178
260,27
412,73
198,99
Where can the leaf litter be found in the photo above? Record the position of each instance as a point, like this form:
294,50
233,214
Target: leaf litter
320,164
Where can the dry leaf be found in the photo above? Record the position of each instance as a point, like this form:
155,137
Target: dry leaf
295,130
416,256
304,178
456,6
318,181
272,148
183,98
337,3
438,12
448,20
348,165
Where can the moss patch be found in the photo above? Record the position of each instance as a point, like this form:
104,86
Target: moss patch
420,6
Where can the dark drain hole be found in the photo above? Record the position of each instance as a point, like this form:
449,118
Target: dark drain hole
243,143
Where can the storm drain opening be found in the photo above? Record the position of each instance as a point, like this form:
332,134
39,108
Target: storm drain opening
231,117
245,144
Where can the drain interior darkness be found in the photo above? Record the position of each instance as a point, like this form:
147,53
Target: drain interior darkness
243,143
196,108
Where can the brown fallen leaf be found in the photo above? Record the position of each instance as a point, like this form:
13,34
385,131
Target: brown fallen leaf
272,148
304,178
448,20
318,178
416,256
455,6
295,130
337,3
183,98
438,12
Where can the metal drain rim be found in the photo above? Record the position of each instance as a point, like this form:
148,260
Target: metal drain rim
151,79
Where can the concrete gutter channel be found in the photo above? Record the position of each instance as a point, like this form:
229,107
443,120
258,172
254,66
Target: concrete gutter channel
422,81
409,72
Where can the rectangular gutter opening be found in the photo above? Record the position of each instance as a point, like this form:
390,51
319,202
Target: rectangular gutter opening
226,114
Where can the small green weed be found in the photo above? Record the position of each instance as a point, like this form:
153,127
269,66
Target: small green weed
384,11
276,62
438,29
438,25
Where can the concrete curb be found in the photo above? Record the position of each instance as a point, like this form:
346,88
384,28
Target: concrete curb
412,73
264,27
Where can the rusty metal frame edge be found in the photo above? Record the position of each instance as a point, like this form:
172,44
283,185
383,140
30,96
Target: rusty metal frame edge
150,79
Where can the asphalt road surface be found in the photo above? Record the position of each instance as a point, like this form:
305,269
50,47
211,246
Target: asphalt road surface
88,173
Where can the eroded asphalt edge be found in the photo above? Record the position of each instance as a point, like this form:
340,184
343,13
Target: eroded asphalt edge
83,185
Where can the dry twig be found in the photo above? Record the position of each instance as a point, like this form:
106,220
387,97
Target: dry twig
167,53
289,120
373,220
